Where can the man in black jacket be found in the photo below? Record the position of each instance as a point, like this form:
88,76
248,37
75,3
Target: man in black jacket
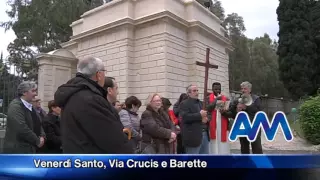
251,110
195,135
88,123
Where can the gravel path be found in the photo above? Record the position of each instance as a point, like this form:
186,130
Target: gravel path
279,145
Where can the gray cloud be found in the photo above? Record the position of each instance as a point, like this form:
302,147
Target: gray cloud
259,15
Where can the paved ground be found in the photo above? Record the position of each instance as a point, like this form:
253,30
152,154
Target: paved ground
281,146
237,151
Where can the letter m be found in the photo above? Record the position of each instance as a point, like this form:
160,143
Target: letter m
242,127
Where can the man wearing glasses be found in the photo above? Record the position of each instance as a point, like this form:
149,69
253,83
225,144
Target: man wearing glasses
88,123
195,135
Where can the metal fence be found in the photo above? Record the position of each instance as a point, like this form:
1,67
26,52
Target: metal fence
9,81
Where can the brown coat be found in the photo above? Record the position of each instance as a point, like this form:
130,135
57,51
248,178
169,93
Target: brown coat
157,127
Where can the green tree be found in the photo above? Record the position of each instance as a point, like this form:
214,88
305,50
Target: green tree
234,25
263,67
42,26
254,60
8,84
239,58
296,49
315,23
218,10
215,7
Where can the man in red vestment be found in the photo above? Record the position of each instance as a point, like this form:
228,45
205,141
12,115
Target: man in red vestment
218,124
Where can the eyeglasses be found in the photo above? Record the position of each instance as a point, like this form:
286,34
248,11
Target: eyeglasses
195,90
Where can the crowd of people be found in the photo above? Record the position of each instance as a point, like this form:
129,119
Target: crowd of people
85,117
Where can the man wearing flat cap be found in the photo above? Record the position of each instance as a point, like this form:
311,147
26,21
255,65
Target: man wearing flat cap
36,103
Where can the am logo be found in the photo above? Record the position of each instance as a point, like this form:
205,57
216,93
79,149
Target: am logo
242,127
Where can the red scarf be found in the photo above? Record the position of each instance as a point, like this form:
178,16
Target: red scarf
213,122
175,121
173,117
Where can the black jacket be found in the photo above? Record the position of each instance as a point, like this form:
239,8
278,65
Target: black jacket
192,126
51,126
89,123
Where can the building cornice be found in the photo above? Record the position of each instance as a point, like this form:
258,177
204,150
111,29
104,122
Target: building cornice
55,57
157,16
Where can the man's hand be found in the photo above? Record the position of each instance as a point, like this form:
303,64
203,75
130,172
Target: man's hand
241,107
41,142
219,98
203,113
173,137
204,120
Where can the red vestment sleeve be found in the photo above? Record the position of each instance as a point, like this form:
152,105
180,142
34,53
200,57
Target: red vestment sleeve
213,122
173,118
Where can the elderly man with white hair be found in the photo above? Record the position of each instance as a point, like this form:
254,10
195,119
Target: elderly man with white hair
24,132
195,134
251,110
89,123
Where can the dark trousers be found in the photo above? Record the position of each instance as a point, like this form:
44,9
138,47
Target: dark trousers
180,148
256,145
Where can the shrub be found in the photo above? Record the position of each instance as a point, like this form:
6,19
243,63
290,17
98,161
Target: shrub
309,117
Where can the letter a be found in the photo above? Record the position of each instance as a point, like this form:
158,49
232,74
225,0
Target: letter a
237,131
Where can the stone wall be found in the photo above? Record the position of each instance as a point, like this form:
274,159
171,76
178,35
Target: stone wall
147,68
218,56
114,48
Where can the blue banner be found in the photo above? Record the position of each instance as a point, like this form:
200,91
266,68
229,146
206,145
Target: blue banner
76,166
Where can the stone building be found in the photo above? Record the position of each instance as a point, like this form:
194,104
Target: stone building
147,45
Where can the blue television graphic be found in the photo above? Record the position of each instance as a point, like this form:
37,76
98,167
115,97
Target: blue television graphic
242,127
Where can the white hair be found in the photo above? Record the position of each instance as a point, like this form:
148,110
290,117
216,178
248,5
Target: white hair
188,89
89,66
26,86
246,84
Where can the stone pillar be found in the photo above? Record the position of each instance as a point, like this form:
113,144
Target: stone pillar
55,69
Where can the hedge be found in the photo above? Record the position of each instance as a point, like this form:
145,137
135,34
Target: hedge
309,117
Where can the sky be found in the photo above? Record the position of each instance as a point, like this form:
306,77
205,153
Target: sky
259,17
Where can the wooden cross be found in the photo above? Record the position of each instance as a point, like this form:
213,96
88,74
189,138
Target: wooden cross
206,65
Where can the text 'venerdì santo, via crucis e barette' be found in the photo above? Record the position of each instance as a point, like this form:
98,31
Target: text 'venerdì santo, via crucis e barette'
115,163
